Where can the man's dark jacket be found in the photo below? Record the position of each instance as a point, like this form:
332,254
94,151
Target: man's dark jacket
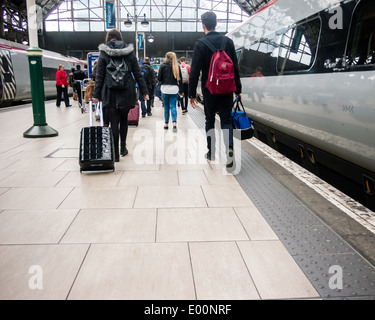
151,76
202,60
114,98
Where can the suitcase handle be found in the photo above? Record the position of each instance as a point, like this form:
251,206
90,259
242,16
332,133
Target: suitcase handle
100,106
90,112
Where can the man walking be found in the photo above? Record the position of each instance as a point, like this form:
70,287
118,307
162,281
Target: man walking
78,76
148,74
185,71
214,103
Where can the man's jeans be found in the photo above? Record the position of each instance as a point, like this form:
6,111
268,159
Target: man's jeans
145,110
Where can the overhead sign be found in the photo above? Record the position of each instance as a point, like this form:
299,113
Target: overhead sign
140,41
110,15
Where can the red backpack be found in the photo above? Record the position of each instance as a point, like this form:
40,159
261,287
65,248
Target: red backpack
221,78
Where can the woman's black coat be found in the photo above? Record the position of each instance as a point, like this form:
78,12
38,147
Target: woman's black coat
165,76
115,98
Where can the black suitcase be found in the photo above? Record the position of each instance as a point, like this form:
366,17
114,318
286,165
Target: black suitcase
96,147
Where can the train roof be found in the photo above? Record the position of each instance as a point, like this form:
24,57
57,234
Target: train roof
10,45
278,14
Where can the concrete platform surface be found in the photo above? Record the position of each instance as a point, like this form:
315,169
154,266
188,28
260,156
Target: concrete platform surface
166,224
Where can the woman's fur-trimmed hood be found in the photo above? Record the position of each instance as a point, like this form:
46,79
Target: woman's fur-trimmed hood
116,48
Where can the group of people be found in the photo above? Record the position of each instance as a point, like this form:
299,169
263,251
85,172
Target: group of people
177,82
170,86
64,81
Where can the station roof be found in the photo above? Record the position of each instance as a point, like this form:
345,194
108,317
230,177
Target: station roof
47,6
174,24
167,10
163,15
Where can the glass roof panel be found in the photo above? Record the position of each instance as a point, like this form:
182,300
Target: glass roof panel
163,15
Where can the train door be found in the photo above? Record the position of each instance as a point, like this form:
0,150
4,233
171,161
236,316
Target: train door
7,79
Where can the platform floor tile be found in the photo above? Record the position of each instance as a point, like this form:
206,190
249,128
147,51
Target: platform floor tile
135,271
39,272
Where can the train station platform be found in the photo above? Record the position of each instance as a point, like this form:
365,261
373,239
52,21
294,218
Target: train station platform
167,224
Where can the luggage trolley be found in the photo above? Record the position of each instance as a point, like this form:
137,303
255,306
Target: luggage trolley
91,58
95,107
83,86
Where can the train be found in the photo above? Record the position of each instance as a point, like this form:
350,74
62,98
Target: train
308,75
14,72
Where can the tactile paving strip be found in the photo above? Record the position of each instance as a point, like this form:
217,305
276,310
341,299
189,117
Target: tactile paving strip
321,253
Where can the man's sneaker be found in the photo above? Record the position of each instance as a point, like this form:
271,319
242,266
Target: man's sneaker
231,165
230,154
209,157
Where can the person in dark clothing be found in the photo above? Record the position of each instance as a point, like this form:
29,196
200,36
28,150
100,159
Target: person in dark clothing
71,77
118,102
78,76
185,71
150,78
213,104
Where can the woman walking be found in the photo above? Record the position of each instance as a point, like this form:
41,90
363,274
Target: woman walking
115,85
170,78
62,86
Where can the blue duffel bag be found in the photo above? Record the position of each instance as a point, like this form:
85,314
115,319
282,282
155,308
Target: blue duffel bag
242,124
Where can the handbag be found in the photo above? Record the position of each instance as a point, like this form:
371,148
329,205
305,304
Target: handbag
242,125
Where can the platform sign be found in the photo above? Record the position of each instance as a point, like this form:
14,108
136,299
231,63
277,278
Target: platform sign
91,58
110,15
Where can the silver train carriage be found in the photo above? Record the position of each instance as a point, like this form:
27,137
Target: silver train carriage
308,75
14,72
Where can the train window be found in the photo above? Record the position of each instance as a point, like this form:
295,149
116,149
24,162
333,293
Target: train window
260,53
361,48
238,54
49,74
299,46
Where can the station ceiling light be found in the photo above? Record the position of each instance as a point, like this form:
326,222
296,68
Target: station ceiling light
145,22
128,23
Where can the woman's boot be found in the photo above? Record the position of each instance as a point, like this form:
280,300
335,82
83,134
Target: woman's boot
124,150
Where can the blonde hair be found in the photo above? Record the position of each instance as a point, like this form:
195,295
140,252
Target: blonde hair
171,56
